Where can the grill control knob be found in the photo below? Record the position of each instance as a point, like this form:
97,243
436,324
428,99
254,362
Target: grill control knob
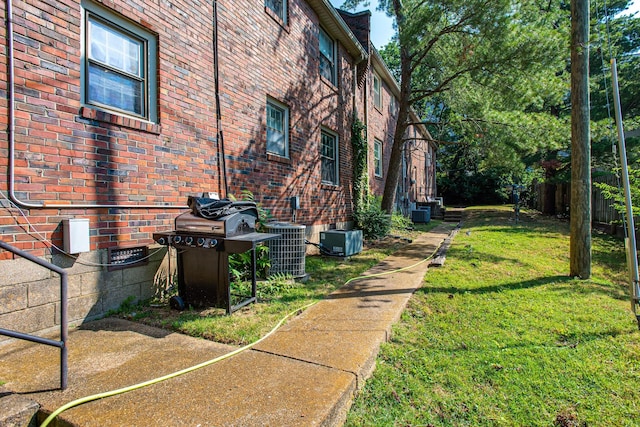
188,240
162,241
213,243
177,239
200,241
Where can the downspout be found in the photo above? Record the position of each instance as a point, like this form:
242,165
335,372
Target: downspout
11,112
222,166
11,141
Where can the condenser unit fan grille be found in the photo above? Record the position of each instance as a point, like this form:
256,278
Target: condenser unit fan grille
287,253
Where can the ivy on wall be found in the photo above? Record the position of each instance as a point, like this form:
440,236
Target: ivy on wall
360,172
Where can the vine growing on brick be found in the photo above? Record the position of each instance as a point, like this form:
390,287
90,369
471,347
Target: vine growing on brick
360,173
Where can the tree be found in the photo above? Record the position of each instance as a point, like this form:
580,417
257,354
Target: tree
458,44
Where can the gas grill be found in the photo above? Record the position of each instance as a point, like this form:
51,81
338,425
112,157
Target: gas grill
204,238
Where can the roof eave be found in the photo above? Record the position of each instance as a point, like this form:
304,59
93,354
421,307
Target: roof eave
333,23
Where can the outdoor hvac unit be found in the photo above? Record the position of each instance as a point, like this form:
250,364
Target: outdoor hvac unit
342,242
422,214
287,253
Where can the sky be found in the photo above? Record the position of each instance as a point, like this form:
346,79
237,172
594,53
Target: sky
382,26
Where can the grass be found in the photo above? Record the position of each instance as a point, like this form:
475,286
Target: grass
276,298
501,336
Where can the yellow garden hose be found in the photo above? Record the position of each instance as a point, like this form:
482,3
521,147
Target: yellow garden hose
169,376
217,359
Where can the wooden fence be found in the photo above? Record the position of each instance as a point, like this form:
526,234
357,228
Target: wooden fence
555,199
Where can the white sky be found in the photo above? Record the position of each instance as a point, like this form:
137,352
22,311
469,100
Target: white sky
382,26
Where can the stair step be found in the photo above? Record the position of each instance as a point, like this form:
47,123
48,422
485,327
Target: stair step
17,411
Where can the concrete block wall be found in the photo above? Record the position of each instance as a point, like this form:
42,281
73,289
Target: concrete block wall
30,294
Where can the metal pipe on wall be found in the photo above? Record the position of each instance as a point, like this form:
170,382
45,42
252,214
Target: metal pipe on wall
11,141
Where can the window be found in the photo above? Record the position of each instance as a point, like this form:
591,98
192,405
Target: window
277,129
393,105
377,157
279,7
327,57
377,92
329,157
119,67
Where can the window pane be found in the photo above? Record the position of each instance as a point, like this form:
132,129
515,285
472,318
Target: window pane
115,90
276,143
326,44
277,6
326,68
377,158
115,49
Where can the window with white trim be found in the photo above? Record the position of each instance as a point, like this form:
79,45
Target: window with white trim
279,7
119,68
377,92
277,128
327,56
377,158
329,157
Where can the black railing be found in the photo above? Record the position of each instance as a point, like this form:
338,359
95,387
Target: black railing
64,324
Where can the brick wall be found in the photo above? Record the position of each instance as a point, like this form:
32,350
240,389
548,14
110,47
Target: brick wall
281,62
70,154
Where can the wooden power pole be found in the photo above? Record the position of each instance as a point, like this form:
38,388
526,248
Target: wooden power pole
580,213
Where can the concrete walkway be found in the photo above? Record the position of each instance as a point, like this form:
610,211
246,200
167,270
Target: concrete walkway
306,374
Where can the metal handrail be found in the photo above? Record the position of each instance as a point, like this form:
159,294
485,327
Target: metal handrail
64,324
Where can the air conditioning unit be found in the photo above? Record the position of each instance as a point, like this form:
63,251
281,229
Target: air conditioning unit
342,242
422,214
287,252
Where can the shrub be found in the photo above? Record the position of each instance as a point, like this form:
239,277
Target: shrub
400,222
373,221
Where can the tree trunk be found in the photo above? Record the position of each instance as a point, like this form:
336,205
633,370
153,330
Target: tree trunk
395,161
580,221
393,174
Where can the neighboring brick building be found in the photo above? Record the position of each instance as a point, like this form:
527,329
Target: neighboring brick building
117,111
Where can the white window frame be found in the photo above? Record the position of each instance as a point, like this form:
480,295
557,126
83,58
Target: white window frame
377,91
326,158
279,8
326,59
94,14
281,133
377,158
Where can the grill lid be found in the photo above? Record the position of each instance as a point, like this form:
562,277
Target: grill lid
214,208
218,217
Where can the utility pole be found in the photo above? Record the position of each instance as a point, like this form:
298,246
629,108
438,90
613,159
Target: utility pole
580,222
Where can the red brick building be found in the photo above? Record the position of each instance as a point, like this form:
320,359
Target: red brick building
118,110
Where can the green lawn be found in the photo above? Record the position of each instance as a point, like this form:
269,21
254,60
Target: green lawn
501,336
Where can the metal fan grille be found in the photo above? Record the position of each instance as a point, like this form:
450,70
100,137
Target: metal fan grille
287,253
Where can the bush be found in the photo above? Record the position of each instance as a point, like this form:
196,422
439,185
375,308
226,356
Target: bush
373,221
400,222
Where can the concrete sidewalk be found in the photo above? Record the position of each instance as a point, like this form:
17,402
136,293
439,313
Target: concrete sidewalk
306,374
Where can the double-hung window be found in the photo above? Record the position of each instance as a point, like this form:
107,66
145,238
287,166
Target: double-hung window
277,128
377,92
119,69
279,7
329,157
377,158
327,57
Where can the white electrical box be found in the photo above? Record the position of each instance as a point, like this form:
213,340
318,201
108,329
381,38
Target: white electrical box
75,233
